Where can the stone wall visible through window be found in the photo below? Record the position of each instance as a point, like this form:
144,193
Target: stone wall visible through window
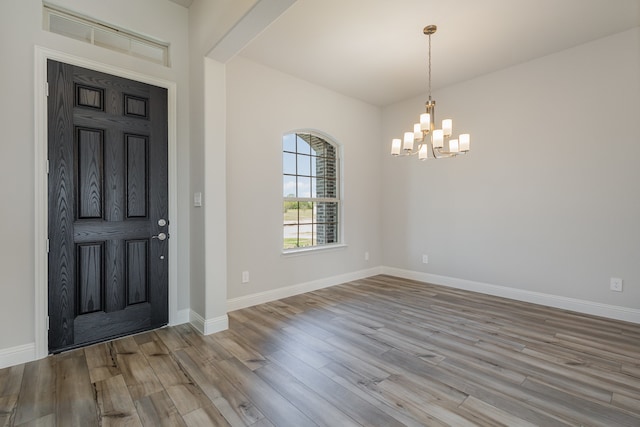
310,190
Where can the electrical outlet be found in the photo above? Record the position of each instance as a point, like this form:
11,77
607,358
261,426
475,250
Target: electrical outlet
366,256
615,284
245,277
425,259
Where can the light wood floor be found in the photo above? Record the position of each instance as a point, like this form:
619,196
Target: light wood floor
375,352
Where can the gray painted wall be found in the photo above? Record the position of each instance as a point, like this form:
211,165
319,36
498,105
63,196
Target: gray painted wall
548,198
20,31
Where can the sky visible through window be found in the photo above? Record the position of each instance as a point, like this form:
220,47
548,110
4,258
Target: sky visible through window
298,161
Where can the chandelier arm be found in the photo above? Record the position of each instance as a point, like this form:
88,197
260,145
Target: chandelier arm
408,153
437,154
445,154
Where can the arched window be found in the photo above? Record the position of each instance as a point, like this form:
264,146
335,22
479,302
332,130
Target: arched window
310,190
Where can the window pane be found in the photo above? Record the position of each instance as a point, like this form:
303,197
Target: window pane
303,146
289,163
330,188
289,186
289,143
69,28
320,148
314,185
304,186
111,40
327,233
329,169
290,237
290,213
330,151
320,166
326,212
314,166
305,212
305,235
304,165
319,187
153,53
327,223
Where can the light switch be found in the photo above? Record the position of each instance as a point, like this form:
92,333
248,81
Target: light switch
197,199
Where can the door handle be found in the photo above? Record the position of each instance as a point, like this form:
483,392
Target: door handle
161,236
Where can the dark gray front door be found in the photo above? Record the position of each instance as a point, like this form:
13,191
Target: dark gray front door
108,198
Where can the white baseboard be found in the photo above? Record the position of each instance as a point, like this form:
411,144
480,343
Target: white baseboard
208,326
581,306
276,294
17,355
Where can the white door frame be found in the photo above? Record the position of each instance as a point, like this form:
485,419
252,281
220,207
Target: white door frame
41,219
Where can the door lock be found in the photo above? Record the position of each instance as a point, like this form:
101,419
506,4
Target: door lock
160,236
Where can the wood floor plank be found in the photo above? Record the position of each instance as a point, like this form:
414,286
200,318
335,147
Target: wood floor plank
172,338
398,413
205,417
235,406
278,409
139,376
355,407
483,413
157,409
311,404
102,361
377,351
44,421
10,382
235,344
115,403
625,402
185,395
585,411
7,409
75,400
37,394
412,411
210,349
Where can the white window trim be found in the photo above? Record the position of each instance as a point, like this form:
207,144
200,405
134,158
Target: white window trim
311,249
93,25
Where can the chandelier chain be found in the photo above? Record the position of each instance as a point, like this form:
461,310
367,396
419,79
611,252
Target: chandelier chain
429,66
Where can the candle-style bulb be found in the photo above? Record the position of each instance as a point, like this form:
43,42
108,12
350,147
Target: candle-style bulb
423,153
408,141
438,138
464,139
447,127
395,146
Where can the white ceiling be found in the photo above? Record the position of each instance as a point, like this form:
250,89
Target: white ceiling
374,50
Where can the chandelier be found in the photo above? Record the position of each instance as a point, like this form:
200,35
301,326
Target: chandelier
425,137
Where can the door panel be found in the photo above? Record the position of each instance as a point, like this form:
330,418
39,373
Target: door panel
107,191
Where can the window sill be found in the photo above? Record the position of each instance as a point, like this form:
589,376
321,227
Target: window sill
313,249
